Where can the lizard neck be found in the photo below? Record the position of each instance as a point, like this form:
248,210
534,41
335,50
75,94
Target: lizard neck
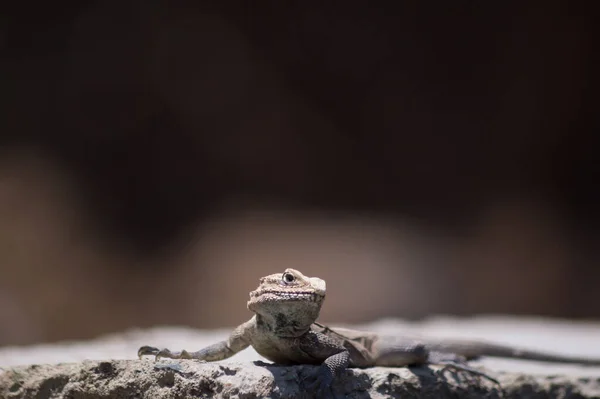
286,321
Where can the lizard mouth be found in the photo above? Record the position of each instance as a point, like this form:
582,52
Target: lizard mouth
273,295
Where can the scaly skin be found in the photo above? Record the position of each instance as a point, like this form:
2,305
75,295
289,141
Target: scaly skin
284,330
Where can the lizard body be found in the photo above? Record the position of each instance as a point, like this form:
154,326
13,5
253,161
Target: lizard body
284,330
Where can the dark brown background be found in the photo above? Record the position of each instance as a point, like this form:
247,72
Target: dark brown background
158,157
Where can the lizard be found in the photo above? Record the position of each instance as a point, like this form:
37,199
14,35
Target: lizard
284,329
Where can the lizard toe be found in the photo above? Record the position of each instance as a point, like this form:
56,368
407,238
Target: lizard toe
468,369
147,350
321,383
164,353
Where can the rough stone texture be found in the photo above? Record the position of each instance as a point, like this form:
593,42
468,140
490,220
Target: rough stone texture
61,371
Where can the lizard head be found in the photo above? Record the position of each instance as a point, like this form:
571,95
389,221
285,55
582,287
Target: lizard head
288,299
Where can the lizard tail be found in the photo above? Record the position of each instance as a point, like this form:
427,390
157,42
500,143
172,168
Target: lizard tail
473,350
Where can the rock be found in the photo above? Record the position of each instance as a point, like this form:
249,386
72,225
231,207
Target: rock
245,377
190,379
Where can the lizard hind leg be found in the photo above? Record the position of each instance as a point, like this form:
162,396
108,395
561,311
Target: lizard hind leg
457,363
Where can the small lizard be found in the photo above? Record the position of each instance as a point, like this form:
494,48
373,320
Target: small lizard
284,330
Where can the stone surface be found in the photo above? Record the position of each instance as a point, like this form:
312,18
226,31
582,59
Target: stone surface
107,367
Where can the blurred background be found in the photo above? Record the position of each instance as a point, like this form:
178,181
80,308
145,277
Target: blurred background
158,157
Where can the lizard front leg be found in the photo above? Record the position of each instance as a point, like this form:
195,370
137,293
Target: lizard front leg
335,359
219,351
238,340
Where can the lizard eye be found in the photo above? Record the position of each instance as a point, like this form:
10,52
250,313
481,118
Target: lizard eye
288,278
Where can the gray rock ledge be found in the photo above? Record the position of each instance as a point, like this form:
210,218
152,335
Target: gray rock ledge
190,379
107,367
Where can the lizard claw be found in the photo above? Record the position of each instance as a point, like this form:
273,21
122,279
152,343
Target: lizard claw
468,369
158,353
321,384
147,350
